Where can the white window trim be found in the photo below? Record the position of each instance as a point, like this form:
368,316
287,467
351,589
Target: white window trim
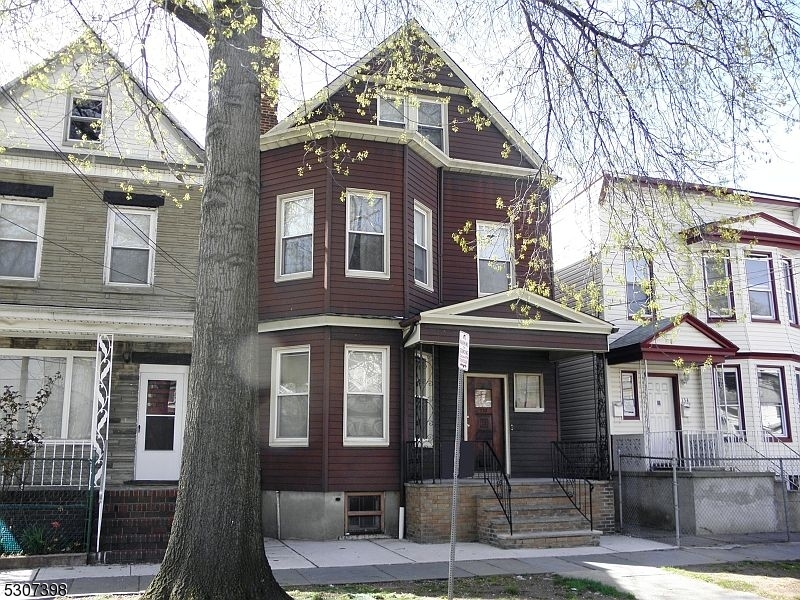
541,393
396,100
410,107
495,224
772,288
94,143
274,440
39,235
646,311
364,441
784,401
385,274
113,211
66,379
789,289
428,213
725,261
279,276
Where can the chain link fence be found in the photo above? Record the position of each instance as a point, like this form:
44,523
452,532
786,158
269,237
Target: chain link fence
45,505
734,501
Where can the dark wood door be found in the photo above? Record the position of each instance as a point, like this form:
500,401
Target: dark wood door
485,410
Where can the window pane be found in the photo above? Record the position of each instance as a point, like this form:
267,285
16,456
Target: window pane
293,373
161,396
430,113
81,399
434,136
90,108
493,276
26,376
297,255
366,214
88,130
420,264
19,221
366,252
717,287
298,217
131,230
757,272
129,266
391,112
728,398
364,416
770,390
761,303
493,242
17,259
527,391
420,228
159,433
293,416
637,271
365,372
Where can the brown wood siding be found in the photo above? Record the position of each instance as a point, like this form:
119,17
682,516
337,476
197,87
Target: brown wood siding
299,469
279,176
532,433
515,338
472,198
368,468
470,143
422,183
382,171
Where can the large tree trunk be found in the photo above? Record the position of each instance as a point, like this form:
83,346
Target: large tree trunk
216,547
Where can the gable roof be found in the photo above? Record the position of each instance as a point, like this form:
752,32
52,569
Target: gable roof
192,146
493,113
757,228
686,337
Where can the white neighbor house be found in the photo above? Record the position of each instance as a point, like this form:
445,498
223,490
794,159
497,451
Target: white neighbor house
705,364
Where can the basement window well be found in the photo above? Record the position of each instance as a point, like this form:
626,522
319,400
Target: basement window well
364,514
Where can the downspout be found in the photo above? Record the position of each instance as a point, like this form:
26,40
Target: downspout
403,425
440,232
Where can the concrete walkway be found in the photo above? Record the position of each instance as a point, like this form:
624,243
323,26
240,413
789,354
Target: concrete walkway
627,563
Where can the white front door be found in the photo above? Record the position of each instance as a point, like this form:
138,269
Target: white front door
661,415
159,430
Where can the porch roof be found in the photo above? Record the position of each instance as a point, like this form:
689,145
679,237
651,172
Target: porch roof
685,337
516,319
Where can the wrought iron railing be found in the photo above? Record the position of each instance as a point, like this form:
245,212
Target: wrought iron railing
569,476
494,473
422,462
584,458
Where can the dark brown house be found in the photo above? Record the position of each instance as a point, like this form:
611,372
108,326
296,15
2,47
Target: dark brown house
363,292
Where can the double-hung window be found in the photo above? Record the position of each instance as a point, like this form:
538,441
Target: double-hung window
367,234
772,397
67,413
366,396
295,237
638,286
423,258
428,116
730,416
130,243
21,230
288,423
495,257
760,286
85,119
787,275
719,287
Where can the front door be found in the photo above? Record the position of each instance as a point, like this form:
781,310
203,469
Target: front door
485,412
661,414
159,433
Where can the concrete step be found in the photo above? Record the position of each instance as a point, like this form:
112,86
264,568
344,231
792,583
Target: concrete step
546,539
112,557
565,523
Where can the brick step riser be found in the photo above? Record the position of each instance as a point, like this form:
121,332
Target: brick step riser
502,527
132,556
554,542
529,511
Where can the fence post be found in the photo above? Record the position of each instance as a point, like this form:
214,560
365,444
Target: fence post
785,501
619,477
675,504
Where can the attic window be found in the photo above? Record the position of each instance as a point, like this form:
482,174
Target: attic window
85,119
425,115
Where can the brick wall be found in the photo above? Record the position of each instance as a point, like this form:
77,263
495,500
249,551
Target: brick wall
603,503
428,511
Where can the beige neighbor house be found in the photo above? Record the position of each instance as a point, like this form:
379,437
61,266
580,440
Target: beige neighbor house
98,235
704,367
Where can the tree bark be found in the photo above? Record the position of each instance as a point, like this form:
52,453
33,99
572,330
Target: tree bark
216,547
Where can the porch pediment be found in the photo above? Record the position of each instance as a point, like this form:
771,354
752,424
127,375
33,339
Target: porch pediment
760,228
671,339
513,319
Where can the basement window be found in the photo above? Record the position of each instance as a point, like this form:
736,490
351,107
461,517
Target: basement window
364,514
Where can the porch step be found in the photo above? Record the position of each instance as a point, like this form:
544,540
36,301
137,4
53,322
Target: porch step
542,516
136,524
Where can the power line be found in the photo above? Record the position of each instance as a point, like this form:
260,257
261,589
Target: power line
91,260
94,189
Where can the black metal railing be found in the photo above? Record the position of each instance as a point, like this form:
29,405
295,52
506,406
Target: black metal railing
494,473
422,462
584,458
570,477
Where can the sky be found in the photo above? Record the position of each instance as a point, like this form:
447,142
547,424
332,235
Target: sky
777,171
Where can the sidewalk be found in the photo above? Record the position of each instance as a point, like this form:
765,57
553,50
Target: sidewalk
627,563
